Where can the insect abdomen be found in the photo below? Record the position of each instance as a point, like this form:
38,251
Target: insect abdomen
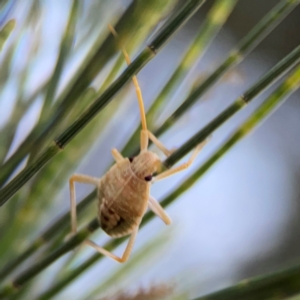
123,199
114,224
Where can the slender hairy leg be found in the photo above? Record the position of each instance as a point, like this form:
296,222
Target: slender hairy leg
82,179
126,253
158,210
116,155
182,167
159,144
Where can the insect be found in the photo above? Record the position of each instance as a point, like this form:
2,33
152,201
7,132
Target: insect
124,191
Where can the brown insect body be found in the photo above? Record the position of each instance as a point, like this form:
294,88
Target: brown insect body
124,193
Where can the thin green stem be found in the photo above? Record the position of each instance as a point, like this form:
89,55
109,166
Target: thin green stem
280,285
36,268
28,172
277,97
7,133
20,223
174,23
104,99
64,51
112,74
62,224
6,31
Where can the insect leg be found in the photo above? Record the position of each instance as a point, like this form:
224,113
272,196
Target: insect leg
182,167
82,179
158,210
116,155
159,144
126,253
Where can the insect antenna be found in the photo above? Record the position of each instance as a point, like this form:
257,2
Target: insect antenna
144,132
135,82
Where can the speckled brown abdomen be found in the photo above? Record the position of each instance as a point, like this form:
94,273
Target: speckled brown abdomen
123,199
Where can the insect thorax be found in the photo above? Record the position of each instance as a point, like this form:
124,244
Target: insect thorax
145,164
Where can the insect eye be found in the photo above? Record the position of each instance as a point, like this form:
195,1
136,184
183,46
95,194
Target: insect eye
148,178
131,159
